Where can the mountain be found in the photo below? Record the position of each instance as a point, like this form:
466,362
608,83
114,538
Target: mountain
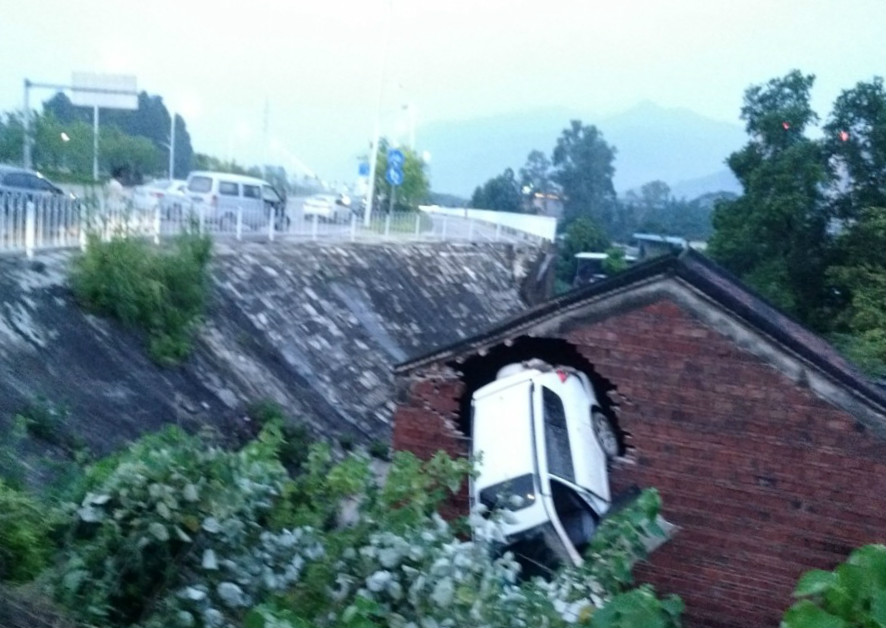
652,142
723,181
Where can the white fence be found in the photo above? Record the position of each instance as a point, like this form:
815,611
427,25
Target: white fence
542,227
33,224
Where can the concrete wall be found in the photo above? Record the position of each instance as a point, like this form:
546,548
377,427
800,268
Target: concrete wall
314,327
764,478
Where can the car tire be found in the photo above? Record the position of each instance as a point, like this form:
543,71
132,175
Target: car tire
605,432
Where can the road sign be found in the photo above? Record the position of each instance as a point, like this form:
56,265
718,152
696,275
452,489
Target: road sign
394,176
396,158
363,169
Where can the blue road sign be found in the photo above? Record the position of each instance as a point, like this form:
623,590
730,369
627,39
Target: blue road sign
396,158
394,176
363,169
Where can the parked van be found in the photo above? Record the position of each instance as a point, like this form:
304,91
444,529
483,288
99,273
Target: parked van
220,195
540,442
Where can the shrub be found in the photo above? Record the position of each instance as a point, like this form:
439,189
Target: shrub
853,594
293,448
159,291
161,512
25,526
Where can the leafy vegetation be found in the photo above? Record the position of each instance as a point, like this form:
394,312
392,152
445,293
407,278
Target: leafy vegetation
809,232
159,291
25,542
851,596
501,193
176,531
415,187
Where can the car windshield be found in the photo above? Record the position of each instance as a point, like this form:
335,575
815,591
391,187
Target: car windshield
513,494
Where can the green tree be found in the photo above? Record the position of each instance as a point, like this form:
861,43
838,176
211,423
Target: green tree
615,261
774,235
415,187
500,193
858,277
583,235
854,141
535,176
583,167
133,156
151,120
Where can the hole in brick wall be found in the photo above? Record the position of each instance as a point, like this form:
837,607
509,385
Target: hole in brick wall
479,370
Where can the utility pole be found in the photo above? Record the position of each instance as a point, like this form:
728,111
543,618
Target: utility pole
373,148
172,147
26,123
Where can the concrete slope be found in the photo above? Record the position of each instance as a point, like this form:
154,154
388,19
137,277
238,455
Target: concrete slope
315,327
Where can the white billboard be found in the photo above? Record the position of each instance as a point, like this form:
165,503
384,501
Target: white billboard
108,91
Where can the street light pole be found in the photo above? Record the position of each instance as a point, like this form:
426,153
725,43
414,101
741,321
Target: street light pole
373,157
26,123
172,148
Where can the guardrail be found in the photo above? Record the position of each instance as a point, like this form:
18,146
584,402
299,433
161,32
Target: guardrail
542,227
30,224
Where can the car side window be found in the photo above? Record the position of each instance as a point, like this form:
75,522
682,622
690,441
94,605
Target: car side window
269,194
16,180
228,188
559,454
41,184
251,191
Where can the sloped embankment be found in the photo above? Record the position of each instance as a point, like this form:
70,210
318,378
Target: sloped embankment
315,327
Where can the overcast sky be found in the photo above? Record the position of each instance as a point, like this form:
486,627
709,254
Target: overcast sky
317,64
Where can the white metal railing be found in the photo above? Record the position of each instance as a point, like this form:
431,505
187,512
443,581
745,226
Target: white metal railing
543,227
29,224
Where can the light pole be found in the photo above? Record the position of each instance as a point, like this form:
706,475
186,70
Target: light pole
373,157
172,147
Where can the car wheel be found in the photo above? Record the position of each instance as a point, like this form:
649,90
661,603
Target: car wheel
605,433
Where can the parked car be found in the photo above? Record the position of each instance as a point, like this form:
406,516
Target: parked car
221,195
541,442
168,194
326,208
56,211
30,183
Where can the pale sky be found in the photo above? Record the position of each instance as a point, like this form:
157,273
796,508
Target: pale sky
318,64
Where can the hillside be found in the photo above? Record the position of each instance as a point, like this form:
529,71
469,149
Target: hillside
652,142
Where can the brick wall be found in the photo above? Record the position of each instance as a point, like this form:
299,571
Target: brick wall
426,423
764,479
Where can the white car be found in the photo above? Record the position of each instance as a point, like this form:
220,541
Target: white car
540,442
169,195
325,208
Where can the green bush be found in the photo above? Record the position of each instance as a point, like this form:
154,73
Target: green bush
160,291
293,449
25,526
164,512
851,596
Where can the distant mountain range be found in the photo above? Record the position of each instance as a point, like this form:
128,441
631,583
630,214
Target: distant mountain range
682,148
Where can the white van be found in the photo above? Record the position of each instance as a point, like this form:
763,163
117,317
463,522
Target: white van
541,442
220,195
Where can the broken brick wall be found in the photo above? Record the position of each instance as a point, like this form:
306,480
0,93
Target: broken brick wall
426,420
763,478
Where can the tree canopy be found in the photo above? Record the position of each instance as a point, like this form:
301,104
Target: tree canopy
415,187
808,230
583,167
500,193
